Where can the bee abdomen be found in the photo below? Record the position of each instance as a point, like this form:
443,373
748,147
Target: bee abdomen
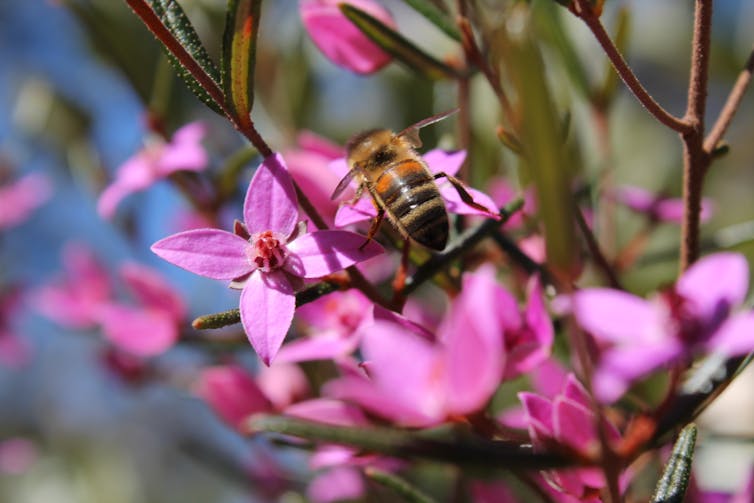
427,223
413,202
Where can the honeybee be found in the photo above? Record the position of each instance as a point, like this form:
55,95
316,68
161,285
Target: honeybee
401,185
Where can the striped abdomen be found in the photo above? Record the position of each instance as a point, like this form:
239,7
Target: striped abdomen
412,202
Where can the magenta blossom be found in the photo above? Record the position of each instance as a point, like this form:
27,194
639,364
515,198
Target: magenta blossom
76,298
267,257
697,316
151,326
567,420
333,320
339,39
154,162
416,381
657,207
308,164
438,161
21,197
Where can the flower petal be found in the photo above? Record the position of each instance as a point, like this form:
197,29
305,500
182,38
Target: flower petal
142,332
232,393
267,306
185,151
339,39
361,210
735,337
455,204
474,351
328,411
440,161
615,316
211,253
620,366
714,282
323,252
152,290
320,347
337,484
271,203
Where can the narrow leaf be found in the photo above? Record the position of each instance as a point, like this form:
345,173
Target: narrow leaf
548,162
177,23
458,448
239,52
398,46
675,479
435,16
550,25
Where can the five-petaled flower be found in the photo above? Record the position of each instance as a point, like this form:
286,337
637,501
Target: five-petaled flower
694,317
268,256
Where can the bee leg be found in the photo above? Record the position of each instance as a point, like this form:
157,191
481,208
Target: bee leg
465,196
399,282
374,228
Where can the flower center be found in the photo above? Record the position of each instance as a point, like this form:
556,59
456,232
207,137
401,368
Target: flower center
691,326
267,251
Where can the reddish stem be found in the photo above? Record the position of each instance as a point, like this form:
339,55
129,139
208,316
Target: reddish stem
695,159
585,11
731,106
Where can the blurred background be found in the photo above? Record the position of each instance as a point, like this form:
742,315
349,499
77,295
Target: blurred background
76,80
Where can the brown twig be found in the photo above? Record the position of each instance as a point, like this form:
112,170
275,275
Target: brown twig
731,106
695,159
594,249
584,10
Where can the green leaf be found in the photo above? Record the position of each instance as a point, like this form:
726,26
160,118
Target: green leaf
547,160
435,16
550,25
239,52
456,446
175,20
675,479
398,46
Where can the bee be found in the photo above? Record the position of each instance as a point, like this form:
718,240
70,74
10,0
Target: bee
401,185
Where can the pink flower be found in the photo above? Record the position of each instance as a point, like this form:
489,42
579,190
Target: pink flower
657,207
528,335
567,420
696,316
21,197
154,162
267,256
334,320
76,298
438,161
308,165
150,327
337,484
503,193
339,39
232,393
416,381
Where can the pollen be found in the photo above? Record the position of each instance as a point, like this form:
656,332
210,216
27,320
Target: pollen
267,251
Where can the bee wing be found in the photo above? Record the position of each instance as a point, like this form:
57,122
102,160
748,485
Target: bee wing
343,183
411,133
